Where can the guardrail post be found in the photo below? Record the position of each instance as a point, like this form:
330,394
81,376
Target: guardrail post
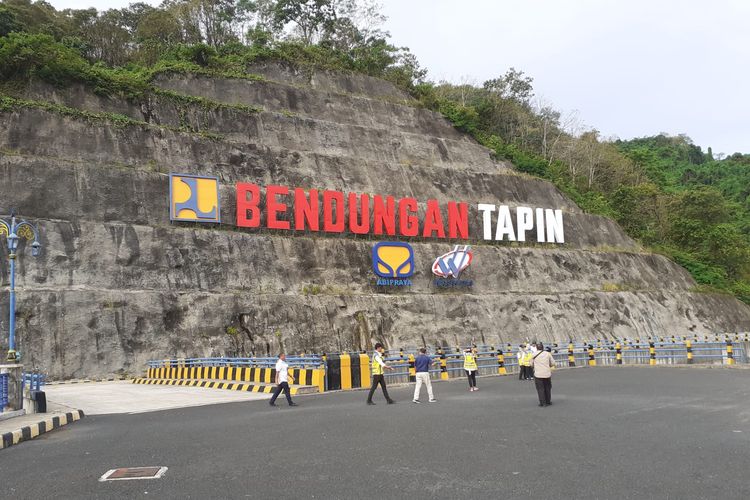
651,353
618,353
443,365
730,353
571,356
412,369
501,363
592,359
689,348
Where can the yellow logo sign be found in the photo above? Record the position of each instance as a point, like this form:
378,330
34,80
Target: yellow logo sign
393,260
193,198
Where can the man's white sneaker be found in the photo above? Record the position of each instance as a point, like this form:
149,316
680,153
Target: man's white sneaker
433,401
415,401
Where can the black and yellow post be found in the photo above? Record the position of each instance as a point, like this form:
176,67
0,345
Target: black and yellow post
571,356
651,354
501,363
333,372
443,365
364,370
618,353
730,353
592,359
412,369
689,349
348,371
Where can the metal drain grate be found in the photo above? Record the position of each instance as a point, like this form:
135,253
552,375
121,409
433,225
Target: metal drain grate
125,473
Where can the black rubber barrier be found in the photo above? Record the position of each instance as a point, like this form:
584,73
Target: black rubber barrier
334,372
356,372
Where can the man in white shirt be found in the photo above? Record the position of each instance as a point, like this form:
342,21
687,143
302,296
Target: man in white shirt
282,379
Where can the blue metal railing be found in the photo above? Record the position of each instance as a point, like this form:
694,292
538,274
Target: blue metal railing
35,381
668,351
3,391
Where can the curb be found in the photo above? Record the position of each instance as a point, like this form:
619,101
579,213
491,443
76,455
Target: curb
31,431
83,381
228,385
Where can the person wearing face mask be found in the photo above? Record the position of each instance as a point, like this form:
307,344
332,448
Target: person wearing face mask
544,363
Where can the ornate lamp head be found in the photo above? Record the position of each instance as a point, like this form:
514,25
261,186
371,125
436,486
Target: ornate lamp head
12,242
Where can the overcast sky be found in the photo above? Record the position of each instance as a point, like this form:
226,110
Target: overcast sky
629,68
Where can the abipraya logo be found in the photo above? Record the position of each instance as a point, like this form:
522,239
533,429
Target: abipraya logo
393,262
449,266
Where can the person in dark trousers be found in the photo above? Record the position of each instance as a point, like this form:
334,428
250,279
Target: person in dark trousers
543,363
378,366
521,357
470,366
282,379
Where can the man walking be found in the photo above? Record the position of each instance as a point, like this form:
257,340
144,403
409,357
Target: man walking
282,379
422,365
378,365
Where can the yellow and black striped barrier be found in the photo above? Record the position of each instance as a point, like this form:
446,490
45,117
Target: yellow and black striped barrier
730,353
443,365
215,384
302,376
571,356
689,349
651,354
412,369
348,371
45,423
592,359
618,353
501,363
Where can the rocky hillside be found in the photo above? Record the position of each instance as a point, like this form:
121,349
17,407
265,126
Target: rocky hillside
118,284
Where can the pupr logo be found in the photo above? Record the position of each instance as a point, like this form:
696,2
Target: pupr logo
194,198
393,262
451,264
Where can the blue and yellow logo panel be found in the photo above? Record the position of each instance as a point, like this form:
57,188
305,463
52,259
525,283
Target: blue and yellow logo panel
391,259
194,198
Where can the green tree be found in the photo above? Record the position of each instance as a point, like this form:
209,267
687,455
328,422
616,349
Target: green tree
8,21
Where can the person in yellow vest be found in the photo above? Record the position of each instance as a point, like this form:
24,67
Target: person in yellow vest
520,356
378,366
528,362
470,365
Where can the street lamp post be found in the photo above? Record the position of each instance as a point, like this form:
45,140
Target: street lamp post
13,232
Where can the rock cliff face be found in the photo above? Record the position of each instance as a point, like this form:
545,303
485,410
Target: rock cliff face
118,284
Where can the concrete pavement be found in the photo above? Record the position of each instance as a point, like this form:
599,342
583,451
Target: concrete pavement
647,432
101,398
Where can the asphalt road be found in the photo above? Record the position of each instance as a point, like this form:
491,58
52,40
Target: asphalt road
647,432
